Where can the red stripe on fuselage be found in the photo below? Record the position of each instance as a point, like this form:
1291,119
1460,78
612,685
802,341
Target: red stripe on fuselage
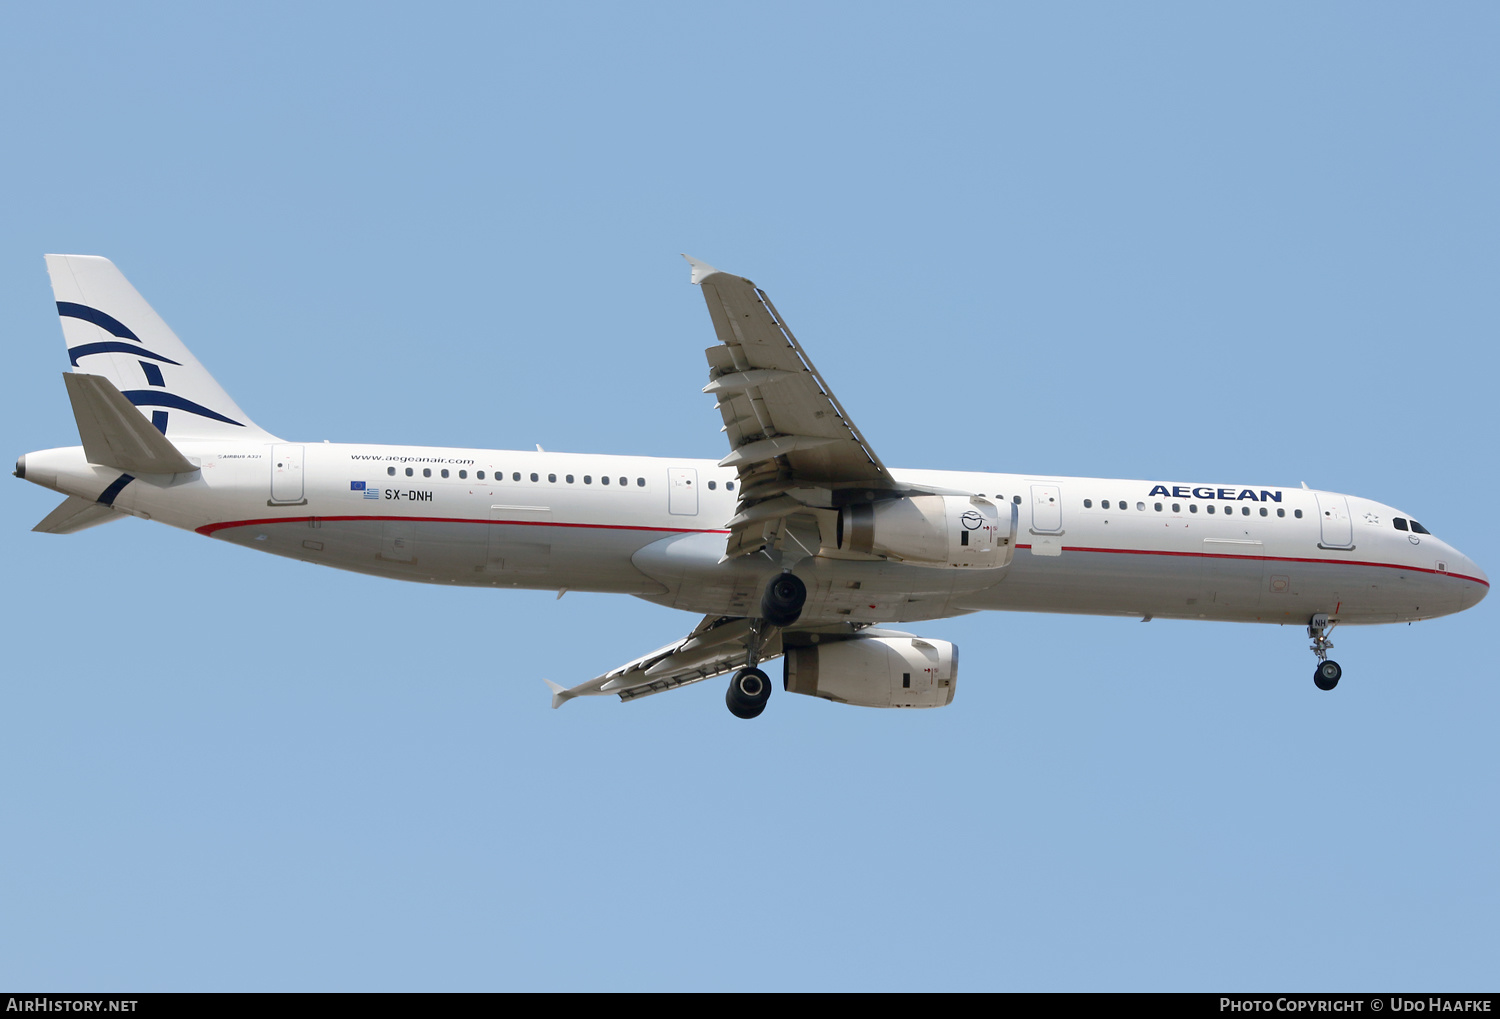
1268,558
209,529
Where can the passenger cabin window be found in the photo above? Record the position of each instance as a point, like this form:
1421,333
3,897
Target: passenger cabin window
712,485
1104,504
408,472
1297,514
426,472
640,482
391,471
445,472
604,479
552,478
1087,503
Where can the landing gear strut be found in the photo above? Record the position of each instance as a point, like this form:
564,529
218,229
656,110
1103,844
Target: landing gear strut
749,688
1328,673
780,605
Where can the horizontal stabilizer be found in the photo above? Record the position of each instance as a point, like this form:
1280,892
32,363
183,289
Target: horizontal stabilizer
76,514
115,434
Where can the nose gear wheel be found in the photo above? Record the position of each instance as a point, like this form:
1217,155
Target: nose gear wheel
1328,673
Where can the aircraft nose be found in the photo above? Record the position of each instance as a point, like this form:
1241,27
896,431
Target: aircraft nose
1475,592
1480,590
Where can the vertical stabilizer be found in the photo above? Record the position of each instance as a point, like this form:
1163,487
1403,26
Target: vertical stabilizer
111,331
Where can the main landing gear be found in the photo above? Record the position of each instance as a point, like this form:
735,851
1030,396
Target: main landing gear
749,690
783,600
1328,673
780,605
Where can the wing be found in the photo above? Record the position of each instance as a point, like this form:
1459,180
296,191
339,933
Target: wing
790,440
716,645
797,455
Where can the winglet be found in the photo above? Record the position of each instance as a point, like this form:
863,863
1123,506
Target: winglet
559,693
701,270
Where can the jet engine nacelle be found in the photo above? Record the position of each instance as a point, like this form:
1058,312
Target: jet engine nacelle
964,532
875,672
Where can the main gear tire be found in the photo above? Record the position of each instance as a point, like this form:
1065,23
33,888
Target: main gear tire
749,690
782,602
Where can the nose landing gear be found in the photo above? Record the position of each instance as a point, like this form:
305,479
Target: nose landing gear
1328,673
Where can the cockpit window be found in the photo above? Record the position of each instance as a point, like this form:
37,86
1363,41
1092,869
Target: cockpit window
1400,523
1419,528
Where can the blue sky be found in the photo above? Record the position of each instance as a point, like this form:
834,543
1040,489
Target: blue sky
1166,241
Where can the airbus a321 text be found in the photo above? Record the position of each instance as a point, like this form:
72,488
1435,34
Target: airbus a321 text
799,544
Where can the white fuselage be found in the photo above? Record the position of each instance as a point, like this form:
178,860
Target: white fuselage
656,530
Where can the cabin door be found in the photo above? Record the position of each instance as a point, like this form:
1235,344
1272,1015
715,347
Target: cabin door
286,473
1046,509
682,491
1338,528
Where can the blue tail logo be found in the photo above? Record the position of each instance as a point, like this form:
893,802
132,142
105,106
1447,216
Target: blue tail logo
156,396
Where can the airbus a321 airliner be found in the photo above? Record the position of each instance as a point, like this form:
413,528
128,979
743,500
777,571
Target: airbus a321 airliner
799,544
